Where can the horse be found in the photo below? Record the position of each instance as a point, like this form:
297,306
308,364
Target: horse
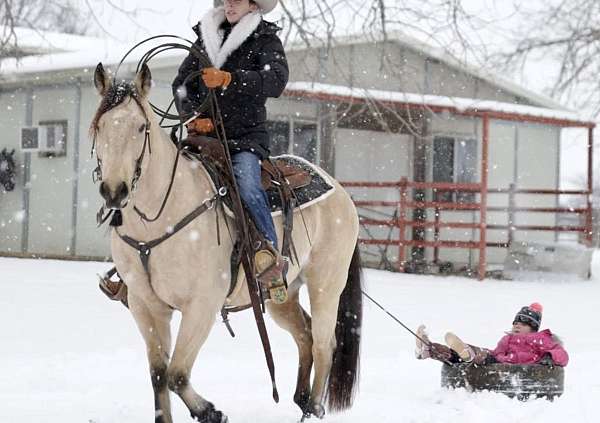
190,271
7,169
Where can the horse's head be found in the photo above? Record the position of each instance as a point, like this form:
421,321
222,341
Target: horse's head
120,130
8,169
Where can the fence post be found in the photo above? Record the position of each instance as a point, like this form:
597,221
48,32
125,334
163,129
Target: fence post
436,235
511,214
401,223
590,188
483,197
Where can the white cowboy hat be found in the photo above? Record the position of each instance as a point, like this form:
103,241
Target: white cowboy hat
266,5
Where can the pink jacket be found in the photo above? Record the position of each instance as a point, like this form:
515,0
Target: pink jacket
529,348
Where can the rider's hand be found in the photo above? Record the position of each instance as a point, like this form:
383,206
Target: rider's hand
200,126
214,78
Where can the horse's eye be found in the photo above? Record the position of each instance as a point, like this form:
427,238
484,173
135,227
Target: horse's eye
142,128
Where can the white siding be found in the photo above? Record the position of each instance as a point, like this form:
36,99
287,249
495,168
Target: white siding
12,118
50,199
369,156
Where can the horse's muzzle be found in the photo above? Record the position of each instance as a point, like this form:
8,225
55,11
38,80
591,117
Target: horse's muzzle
114,199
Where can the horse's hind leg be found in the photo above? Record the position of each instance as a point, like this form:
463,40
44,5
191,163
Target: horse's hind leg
155,328
292,317
196,321
325,284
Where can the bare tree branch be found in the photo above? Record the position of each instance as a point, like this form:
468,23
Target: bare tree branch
567,33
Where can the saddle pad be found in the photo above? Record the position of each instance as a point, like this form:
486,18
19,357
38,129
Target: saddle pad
318,189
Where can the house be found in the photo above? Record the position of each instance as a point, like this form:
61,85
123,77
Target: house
445,162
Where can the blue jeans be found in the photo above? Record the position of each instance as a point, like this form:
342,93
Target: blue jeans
246,168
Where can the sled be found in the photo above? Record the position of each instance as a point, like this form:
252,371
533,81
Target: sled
520,381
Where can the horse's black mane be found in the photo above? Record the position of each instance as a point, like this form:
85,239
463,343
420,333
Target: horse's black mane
115,95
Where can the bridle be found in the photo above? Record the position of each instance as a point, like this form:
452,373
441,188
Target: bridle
137,173
97,172
191,48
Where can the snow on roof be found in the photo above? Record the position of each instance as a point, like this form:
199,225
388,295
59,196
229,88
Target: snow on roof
32,41
109,53
440,54
460,104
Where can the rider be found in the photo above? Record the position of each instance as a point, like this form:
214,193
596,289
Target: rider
248,66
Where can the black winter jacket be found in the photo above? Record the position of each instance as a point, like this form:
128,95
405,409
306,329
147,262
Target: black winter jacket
259,70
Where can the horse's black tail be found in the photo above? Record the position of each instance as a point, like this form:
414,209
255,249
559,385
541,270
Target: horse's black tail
343,379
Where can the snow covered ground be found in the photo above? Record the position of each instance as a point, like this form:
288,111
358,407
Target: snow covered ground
69,355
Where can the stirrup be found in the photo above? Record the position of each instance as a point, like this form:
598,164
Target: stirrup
115,290
270,267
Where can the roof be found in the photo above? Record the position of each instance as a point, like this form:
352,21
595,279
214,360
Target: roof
72,52
31,41
455,105
75,53
442,55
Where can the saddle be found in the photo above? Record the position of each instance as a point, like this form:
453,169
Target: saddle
277,172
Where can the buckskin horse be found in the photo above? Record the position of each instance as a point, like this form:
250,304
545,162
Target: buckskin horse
190,271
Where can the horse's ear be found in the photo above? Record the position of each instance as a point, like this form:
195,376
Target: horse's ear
101,80
12,153
143,81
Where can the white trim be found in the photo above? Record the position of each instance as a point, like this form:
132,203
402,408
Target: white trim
212,35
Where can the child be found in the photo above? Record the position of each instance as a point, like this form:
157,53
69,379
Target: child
523,345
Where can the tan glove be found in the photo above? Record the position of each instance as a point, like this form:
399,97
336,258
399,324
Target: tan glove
214,78
200,126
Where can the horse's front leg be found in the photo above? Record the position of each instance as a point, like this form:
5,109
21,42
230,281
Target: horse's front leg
196,321
154,323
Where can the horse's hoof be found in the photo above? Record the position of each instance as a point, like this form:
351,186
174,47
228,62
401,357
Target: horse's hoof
302,400
210,415
317,410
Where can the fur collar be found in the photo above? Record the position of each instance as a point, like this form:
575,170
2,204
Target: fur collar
212,35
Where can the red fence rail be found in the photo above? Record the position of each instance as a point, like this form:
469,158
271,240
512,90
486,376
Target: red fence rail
404,204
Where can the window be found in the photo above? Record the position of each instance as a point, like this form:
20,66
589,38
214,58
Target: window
54,142
455,161
280,137
304,143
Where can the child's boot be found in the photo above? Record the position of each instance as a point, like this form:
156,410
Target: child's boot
464,351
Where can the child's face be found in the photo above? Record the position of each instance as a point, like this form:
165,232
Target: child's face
519,327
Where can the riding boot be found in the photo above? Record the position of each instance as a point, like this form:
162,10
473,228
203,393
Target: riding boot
116,290
270,271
